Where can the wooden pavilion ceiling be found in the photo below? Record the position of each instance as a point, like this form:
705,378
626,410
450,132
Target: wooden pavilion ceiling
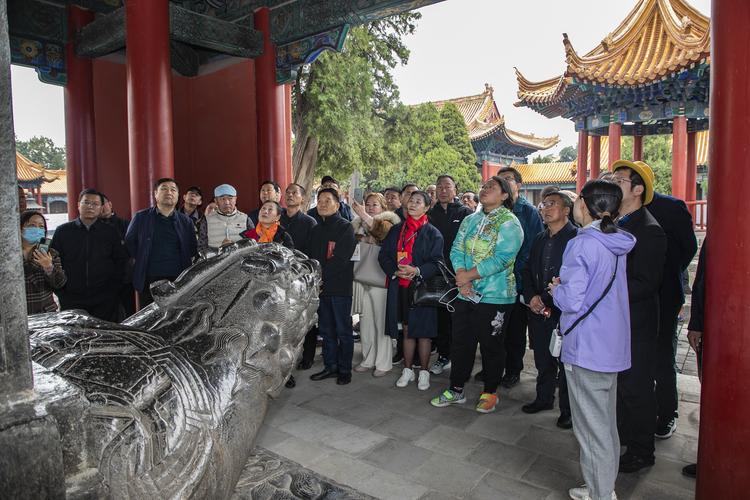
202,30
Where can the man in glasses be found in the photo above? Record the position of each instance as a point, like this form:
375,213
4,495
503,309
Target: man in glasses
543,264
93,259
636,401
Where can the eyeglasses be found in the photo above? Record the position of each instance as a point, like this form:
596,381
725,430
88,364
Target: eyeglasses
620,180
92,204
489,187
551,204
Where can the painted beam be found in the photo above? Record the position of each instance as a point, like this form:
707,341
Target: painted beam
103,36
214,34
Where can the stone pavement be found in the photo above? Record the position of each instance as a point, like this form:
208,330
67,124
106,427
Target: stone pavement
392,444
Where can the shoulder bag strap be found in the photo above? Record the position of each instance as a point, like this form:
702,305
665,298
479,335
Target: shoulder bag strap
614,275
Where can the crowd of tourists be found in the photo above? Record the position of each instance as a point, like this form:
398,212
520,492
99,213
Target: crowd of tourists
594,278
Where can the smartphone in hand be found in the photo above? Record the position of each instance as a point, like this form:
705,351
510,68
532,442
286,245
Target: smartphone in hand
44,244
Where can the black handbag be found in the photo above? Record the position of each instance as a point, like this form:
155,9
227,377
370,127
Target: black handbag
438,291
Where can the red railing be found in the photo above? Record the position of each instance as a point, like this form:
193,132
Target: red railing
699,210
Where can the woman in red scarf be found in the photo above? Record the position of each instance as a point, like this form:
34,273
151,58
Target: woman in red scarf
268,229
412,248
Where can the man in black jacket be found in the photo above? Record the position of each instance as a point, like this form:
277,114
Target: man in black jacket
543,264
332,243
675,219
446,216
93,259
636,401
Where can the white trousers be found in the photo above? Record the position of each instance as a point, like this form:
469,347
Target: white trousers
377,348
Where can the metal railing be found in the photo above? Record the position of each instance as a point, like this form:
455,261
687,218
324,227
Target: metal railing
699,211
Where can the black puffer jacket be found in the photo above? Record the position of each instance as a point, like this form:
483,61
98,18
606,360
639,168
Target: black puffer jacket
447,221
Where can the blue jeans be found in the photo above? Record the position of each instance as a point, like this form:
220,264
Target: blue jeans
335,326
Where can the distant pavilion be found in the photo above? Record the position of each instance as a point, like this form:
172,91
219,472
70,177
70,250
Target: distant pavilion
649,76
495,145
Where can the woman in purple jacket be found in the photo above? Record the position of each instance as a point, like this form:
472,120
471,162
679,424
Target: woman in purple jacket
599,346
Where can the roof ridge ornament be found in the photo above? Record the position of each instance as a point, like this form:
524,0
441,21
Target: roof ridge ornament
608,42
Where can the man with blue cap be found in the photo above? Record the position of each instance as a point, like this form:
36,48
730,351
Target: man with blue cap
225,224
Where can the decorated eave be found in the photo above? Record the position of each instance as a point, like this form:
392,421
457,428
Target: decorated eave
32,175
487,130
202,31
59,186
654,66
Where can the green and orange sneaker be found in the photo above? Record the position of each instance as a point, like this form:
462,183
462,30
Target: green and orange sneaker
487,402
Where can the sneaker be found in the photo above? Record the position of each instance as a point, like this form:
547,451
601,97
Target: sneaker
664,429
406,377
582,493
397,360
356,337
424,380
381,373
362,368
448,398
440,365
487,402
630,462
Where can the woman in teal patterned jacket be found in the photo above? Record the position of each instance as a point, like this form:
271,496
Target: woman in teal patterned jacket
483,256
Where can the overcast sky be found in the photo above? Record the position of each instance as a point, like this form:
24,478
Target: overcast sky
459,46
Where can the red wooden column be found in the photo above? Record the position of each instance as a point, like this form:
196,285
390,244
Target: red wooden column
679,156
270,104
638,148
583,159
724,440
149,82
80,131
485,171
596,155
288,136
614,143
692,170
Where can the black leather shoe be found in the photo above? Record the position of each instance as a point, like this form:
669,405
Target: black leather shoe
509,381
479,377
291,383
305,364
631,462
344,378
323,375
565,421
535,407
690,470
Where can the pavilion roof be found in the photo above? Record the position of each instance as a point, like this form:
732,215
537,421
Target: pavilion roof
659,39
483,119
560,172
57,186
27,170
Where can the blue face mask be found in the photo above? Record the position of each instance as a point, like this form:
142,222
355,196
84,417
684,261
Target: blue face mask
33,234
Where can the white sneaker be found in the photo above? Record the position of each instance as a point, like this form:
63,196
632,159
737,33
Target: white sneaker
582,493
424,380
406,377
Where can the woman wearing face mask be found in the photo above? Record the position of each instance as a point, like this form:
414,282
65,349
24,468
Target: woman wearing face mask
268,229
42,269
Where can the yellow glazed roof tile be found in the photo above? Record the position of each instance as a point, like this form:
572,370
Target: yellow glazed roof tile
27,170
57,186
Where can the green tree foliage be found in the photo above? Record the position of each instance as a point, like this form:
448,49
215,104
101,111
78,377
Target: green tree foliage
42,150
543,159
455,133
345,106
657,154
568,153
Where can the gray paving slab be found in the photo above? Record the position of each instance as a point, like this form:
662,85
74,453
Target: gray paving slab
396,457
446,475
386,485
392,444
450,442
503,458
503,487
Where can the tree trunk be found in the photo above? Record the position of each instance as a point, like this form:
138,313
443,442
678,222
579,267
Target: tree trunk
305,152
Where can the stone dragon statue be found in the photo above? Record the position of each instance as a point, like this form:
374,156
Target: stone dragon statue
171,400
